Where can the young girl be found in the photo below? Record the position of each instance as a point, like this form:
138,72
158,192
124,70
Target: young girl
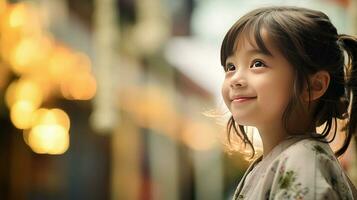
285,74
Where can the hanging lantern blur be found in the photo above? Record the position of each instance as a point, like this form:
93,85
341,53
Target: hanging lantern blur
21,114
46,69
24,89
49,133
48,138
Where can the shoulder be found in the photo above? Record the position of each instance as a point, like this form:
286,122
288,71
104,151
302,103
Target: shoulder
308,168
309,149
306,154
313,160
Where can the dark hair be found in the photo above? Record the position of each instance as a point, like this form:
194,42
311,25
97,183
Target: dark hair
310,42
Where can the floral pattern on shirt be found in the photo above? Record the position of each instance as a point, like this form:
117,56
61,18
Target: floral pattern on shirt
333,177
289,188
306,170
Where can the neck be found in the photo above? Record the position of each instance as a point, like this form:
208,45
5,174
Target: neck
272,132
270,138
272,135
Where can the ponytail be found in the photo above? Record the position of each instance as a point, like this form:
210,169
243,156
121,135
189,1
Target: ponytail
349,44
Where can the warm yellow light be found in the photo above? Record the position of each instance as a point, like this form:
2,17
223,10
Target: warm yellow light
3,6
198,136
76,81
49,117
18,15
25,90
21,114
21,21
24,19
81,86
50,139
25,55
61,63
61,118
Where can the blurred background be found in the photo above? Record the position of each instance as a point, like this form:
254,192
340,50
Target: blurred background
120,99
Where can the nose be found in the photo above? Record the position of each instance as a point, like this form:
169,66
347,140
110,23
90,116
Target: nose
238,80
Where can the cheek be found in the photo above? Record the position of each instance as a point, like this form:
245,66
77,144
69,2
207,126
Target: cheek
225,93
274,97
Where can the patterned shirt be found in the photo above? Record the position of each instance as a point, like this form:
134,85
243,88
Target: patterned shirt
297,168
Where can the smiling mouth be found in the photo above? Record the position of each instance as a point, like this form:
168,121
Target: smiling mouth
243,99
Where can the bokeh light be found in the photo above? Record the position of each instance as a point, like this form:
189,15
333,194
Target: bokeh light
48,138
26,90
21,114
17,17
49,133
46,70
80,86
51,116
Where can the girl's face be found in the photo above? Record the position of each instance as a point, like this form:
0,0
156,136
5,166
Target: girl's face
257,86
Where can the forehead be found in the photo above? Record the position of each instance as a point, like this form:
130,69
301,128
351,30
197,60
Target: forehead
257,42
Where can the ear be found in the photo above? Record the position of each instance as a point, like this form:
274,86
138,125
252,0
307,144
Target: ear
319,83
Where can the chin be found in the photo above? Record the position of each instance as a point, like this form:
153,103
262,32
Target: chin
244,121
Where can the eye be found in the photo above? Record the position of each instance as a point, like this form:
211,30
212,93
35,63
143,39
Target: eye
230,67
257,63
